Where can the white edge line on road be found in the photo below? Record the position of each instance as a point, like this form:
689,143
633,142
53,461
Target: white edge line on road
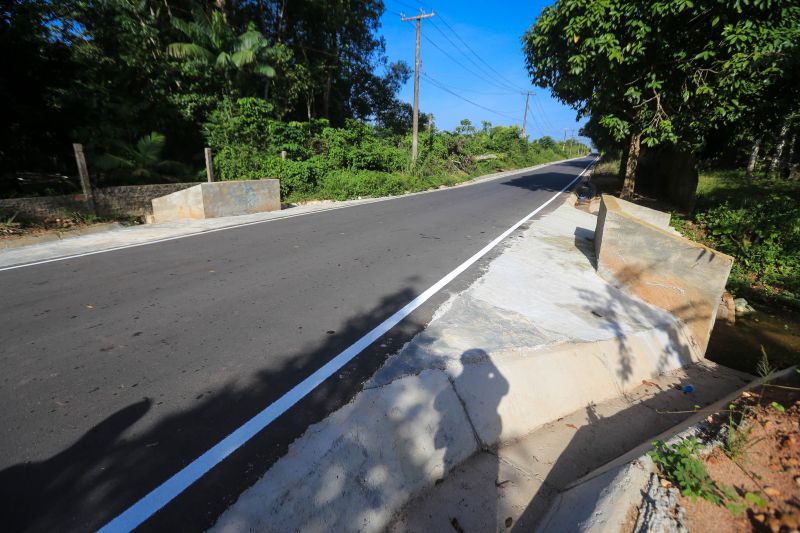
244,224
164,493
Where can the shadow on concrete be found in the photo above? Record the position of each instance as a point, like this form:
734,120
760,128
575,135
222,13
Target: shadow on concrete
115,463
584,242
493,387
599,439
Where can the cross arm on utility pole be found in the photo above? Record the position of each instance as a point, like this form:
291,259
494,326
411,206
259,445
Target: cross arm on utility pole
421,16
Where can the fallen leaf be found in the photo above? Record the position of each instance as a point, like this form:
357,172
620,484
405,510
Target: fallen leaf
760,517
746,394
772,491
509,521
774,524
665,483
89,306
573,426
456,525
709,419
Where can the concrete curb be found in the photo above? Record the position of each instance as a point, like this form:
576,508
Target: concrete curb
32,240
600,500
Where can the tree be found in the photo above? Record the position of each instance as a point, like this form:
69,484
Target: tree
212,41
665,71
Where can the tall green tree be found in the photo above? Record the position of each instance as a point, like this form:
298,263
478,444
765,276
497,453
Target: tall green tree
213,42
663,71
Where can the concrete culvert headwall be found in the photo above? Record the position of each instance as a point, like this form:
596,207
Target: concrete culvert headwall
637,252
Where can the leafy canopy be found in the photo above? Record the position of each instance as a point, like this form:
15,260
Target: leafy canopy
667,69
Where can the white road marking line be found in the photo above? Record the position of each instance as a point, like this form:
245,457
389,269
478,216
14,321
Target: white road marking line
164,493
244,224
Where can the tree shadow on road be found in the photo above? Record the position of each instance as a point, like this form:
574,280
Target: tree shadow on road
121,459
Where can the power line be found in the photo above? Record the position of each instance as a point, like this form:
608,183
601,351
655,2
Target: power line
544,120
443,88
481,93
476,54
459,63
461,49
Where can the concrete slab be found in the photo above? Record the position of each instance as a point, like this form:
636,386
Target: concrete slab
352,471
541,292
482,494
219,199
540,309
668,271
540,465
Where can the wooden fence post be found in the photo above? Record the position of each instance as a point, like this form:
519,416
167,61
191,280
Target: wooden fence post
209,165
83,173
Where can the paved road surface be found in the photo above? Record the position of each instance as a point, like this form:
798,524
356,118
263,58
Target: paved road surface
120,368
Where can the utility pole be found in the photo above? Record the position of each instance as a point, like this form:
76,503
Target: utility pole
415,119
525,117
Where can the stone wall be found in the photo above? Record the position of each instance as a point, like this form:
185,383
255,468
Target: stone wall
43,208
111,202
133,200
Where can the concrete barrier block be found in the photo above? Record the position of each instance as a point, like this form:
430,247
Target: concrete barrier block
220,199
662,268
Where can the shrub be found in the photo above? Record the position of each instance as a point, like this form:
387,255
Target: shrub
347,184
240,162
763,235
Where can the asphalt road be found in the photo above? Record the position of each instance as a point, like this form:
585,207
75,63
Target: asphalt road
120,368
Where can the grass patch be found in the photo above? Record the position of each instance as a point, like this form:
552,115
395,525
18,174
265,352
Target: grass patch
757,221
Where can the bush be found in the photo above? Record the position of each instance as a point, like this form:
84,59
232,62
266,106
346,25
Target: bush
347,184
764,237
298,178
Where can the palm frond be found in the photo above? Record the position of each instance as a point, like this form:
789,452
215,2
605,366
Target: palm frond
251,40
223,60
112,162
265,70
243,57
150,147
189,51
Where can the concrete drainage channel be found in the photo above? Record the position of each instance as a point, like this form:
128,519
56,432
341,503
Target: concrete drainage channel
538,374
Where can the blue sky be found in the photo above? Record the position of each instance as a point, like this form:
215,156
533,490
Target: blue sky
492,31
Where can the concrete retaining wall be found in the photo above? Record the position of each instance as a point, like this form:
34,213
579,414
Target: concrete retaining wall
130,200
211,200
660,267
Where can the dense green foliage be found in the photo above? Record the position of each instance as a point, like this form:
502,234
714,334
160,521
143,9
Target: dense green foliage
758,223
107,73
301,91
360,159
698,74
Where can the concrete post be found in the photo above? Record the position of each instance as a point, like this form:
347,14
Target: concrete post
209,165
283,155
83,173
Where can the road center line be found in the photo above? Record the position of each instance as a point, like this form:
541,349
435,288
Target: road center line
168,490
